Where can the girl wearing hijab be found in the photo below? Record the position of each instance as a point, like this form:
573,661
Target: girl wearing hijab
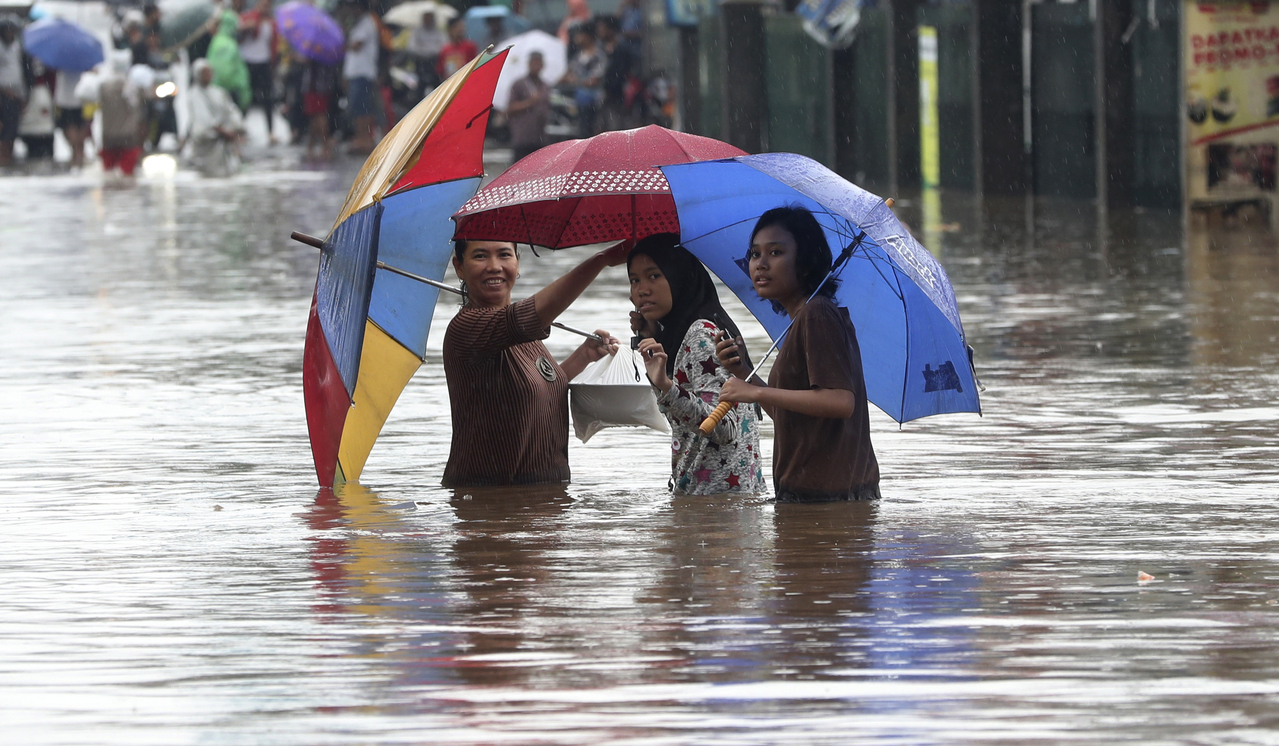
678,318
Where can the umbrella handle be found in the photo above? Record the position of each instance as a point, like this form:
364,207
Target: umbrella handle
709,423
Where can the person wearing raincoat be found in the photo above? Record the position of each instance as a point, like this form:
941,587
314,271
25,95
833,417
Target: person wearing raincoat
229,69
816,391
677,319
216,124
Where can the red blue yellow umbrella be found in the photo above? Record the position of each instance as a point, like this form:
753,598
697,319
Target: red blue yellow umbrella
369,321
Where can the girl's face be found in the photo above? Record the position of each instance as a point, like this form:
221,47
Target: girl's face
489,269
650,292
772,264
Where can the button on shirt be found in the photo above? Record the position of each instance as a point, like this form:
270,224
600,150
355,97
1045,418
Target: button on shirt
362,62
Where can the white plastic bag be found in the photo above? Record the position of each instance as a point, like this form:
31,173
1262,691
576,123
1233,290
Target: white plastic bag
614,392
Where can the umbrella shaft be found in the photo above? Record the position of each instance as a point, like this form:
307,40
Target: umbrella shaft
319,244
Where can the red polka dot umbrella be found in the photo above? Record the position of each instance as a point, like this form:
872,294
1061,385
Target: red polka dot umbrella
605,188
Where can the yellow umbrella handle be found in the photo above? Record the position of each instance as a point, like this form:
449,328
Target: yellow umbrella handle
709,423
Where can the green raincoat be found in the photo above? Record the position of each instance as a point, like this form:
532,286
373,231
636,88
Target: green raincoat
229,70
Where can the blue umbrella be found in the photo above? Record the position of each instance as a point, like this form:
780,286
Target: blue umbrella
914,354
477,29
62,45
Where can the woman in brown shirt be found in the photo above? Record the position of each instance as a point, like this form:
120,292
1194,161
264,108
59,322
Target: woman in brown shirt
508,396
815,393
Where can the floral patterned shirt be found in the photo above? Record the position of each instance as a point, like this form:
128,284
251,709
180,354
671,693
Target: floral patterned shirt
728,459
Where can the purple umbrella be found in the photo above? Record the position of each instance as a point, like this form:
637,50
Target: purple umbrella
311,31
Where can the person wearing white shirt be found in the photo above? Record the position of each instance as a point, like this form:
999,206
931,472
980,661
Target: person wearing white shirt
257,32
425,44
13,86
70,117
216,124
359,69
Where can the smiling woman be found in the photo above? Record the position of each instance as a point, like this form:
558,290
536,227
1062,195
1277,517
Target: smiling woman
509,397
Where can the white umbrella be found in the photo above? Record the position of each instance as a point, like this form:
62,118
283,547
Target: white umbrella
554,58
409,14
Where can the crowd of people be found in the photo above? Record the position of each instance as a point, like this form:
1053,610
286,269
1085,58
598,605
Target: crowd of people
382,70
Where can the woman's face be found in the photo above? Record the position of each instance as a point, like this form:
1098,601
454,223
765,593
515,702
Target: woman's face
489,269
772,264
650,292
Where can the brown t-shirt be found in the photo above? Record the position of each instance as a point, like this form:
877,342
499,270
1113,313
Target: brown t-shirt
818,458
509,399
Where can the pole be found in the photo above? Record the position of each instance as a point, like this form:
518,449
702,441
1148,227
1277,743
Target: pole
319,244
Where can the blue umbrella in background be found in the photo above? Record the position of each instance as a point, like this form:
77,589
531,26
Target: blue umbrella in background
62,45
914,355
477,23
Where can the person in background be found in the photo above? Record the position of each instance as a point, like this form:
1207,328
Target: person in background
257,49
459,51
496,26
216,124
13,86
584,75
677,317
509,397
70,116
123,108
424,45
229,70
359,70
621,66
579,14
528,109
816,393
631,18
318,84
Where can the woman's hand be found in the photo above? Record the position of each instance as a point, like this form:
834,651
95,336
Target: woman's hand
616,255
655,363
592,350
640,326
738,391
728,351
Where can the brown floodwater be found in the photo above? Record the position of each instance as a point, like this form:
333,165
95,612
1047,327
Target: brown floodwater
173,574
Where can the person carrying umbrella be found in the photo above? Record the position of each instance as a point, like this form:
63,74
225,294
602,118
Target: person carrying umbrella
13,86
509,397
677,319
816,392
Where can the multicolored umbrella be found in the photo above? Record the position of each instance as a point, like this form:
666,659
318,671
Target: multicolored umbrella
62,45
311,31
605,188
367,332
914,355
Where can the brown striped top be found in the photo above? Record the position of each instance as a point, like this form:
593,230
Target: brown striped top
509,399
820,458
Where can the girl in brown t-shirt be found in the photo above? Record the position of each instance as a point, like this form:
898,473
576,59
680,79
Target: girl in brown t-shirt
815,393
508,396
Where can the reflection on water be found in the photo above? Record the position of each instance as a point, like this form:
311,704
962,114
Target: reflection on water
172,574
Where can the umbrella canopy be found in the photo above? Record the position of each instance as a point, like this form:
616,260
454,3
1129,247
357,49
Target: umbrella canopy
311,31
605,188
367,331
62,45
184,21
554,58
409,14
477,29
914,354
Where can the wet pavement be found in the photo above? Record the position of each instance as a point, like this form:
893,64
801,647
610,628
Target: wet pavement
173,574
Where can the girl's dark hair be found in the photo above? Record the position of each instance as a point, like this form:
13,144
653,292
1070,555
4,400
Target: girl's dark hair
813,258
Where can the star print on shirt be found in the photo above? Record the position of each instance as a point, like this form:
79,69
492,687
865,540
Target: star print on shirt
703,475
709,366
681,377
734,481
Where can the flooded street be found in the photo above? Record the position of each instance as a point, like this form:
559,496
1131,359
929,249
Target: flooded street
174,576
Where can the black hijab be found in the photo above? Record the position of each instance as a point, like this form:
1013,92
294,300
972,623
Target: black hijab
693,294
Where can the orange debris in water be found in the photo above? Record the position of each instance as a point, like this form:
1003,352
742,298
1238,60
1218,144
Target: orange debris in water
1143,577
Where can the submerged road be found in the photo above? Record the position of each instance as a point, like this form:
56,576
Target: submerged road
173,574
